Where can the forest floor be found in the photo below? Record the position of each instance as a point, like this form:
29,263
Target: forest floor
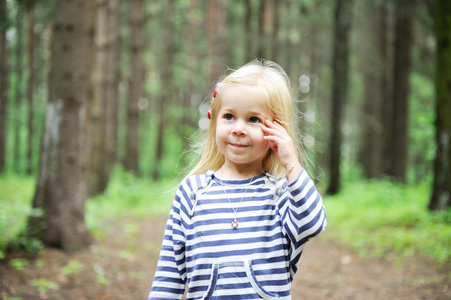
121,264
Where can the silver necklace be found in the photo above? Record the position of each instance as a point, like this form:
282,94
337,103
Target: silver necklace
235,222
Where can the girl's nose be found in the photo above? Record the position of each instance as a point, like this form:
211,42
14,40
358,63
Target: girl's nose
239,129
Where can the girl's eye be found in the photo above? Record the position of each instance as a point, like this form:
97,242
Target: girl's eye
228,117
254,120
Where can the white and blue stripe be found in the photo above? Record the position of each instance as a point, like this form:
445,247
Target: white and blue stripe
259,259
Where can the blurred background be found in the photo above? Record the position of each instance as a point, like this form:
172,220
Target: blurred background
153,63
100,101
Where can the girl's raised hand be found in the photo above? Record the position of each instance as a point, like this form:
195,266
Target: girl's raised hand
282,144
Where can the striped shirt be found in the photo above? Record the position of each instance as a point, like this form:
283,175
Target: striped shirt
258,259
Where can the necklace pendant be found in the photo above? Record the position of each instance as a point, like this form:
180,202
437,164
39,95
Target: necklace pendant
235,224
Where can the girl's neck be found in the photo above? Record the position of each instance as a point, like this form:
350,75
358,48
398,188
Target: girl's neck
238,173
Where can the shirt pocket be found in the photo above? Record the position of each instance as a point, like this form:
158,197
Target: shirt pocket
259,289
213,280
221,273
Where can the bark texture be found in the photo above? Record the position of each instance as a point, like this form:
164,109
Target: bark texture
398,135
61,186
441,190
136,86
339,89
4,84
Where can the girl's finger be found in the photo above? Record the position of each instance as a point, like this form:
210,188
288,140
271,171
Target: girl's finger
275,126
273,131
273,146
273,138
270,124
268,131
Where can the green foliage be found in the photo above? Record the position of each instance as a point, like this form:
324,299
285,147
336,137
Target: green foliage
174,137
373,217
15,209
128,195
18,263
44,285
378,217
101,277
40,263
421,127
74,267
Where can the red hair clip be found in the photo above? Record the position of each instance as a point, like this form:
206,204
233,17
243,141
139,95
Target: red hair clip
209,114
215,92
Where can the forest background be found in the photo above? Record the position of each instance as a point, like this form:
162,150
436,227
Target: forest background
93,92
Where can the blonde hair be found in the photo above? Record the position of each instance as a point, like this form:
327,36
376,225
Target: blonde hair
269,82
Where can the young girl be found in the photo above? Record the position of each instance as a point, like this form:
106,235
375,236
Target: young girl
240,220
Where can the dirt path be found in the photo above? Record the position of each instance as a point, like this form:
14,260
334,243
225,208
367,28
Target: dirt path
329,271
122,263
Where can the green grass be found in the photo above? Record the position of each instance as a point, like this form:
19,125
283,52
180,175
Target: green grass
129,196
125,196
372,217
379,217
15,206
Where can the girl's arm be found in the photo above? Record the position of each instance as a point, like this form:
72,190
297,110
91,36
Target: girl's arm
303,215
170,277
300,205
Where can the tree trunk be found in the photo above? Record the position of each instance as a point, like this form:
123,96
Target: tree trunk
398,136
136,85
289,57
386,111
441,189
30,89
216,35
290,50
248,31
61,185
17,109
268,29
3,84
192,42
339,89
96,144
112,90
166,90
372,66
104,112
320,109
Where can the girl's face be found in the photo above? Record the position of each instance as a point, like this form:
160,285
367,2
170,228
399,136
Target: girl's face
239,134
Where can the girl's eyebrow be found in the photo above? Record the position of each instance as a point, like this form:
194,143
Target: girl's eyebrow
250,112
258,113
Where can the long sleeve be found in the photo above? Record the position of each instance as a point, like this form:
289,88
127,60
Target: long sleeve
170,277
303,215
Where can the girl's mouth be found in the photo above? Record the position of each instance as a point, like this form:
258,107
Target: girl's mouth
238,145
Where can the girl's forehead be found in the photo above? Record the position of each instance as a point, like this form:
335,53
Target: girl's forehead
242,98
